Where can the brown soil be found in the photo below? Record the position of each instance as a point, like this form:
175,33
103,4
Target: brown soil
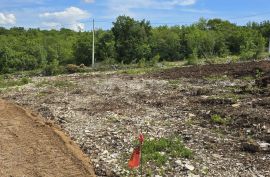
235,70
31,148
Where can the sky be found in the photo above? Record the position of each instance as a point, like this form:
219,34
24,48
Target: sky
78,14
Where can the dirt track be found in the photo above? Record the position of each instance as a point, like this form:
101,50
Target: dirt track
33,149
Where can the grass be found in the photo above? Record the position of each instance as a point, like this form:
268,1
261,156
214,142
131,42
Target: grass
158,151
219,120
174,83
56,83
6,83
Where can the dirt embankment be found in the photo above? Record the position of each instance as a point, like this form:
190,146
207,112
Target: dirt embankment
235,70
31,148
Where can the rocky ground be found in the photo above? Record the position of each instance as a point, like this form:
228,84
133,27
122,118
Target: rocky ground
223,118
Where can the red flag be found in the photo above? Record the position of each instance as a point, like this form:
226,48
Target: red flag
134,161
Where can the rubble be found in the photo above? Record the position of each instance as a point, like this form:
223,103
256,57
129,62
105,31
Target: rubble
103,113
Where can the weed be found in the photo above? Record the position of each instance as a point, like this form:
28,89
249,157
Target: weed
219,120
160,150
42,83
57,83
174,83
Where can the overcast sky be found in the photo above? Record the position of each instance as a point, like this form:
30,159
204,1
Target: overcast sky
76,14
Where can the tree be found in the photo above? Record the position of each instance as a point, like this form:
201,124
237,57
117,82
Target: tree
83,50
131,39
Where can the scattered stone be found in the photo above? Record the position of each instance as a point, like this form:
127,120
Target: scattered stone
189,167
237,105
193,175
179,162
190,115
264,146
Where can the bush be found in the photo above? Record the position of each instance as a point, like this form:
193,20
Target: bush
142,63
192,59
52,69
247,55
154,60
71,68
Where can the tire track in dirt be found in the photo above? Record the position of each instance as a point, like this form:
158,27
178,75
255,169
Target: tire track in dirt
31,148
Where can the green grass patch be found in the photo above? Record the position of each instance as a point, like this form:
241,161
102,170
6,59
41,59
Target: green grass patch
56,83
158,151
174,83
6,83
217,119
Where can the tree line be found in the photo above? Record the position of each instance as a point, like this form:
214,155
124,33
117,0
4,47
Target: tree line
131,41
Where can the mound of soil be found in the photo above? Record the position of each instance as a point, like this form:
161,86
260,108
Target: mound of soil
235,70
32,148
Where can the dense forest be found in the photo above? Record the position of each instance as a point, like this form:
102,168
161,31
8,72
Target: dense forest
131,41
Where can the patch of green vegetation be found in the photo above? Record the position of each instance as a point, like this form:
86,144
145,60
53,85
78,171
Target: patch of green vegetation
159,150
41,94
231,96
259,73
56,83
42,83
6,83
247,78
219,120
174,83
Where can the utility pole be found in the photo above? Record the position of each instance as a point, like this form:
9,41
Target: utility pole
93,50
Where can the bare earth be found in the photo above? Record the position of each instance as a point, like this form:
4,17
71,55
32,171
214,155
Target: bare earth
102,112
31,148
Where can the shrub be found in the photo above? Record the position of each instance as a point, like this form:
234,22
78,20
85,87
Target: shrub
218,119
192,59
71,68
142,63
154,60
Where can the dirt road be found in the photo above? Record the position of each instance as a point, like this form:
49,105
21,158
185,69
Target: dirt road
30,148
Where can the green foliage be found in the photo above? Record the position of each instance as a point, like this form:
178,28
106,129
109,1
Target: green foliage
52,68
5,83
218,119
158,151
131,39
131,42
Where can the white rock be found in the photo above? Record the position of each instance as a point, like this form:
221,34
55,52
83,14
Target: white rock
237,105
105,152
86,131
191,115
264,146
162,153
179,162
193,175
189,167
